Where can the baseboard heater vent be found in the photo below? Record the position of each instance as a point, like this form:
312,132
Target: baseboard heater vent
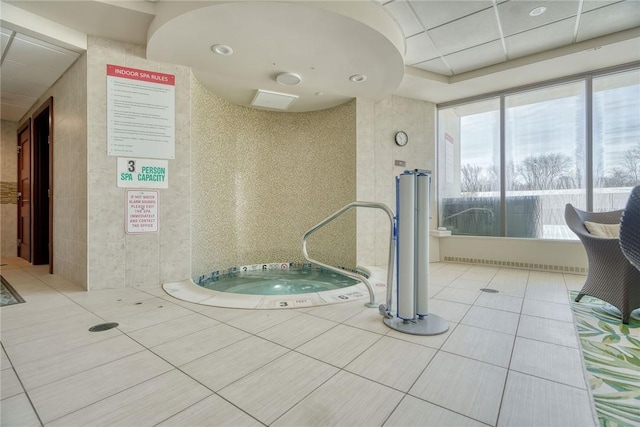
514,264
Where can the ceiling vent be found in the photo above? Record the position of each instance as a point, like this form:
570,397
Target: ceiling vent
274,100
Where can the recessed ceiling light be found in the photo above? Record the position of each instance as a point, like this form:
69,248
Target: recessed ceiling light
288,79
222,49
537,11
358,78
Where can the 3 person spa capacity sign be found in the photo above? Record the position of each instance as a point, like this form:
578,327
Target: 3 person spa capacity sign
141,211
142,173
140,113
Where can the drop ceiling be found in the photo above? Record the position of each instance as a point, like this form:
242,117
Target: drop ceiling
431,50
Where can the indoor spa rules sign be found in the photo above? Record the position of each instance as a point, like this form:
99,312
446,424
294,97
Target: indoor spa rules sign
140,113
141,211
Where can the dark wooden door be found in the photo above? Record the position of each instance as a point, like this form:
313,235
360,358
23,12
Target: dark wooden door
24,192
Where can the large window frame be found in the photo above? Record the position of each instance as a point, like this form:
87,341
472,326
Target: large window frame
586,78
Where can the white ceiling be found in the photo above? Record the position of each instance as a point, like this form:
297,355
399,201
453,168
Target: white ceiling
431,50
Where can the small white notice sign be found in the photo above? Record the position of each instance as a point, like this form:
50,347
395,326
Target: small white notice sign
141,211
142,173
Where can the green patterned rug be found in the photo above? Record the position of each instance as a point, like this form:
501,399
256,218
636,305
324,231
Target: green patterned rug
8,295
611,352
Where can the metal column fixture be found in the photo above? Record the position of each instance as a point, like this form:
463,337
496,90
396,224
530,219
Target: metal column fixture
413,317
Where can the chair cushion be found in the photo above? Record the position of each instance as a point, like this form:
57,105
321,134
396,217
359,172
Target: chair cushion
603,230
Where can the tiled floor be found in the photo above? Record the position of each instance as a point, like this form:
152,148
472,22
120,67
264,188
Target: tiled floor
509,358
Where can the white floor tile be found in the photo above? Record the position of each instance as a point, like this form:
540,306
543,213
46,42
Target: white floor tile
480,344
494,320
548,310
499,302
416,412
164,332
67,395
433,341
353,401
392,362
78,321
191,347
463,296
144,404
549,361
340,345
18,412
9,384
474,391
551,331
298,331
65,364
211,411
369,320
469,285
338,312
534,402
256,321
448,310
4,360
163,312
223,367
272,390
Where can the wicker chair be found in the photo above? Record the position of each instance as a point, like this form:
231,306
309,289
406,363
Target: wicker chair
611,277
630,230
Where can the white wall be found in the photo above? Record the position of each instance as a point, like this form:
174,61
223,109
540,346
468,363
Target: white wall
537,254
116,259
376,125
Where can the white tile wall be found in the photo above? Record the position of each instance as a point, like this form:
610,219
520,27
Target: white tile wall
376,125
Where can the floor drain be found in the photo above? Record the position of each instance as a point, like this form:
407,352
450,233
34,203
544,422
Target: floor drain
489,290
103,327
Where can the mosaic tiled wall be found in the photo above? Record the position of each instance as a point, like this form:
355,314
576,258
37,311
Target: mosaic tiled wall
260,179
8,189
8,193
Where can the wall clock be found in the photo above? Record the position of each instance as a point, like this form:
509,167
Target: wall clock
401,138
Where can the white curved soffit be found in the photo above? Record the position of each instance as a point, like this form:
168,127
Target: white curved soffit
323,42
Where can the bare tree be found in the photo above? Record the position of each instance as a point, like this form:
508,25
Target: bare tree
470,178
545,171
631,164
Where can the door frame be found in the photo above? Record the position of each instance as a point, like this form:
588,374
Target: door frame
42,183
26,126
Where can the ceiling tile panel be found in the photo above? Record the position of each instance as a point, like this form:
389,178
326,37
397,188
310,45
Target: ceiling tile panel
17,99
539,39
420,49
408,21
435,13
588,5
514,15
34,53
5,40
477,57
610,19
12,113
30,81
435,66
472,30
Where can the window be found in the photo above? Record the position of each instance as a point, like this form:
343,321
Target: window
514,178
544,159
616,139
470,160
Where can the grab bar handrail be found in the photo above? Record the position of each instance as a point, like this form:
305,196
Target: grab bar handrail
382,206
